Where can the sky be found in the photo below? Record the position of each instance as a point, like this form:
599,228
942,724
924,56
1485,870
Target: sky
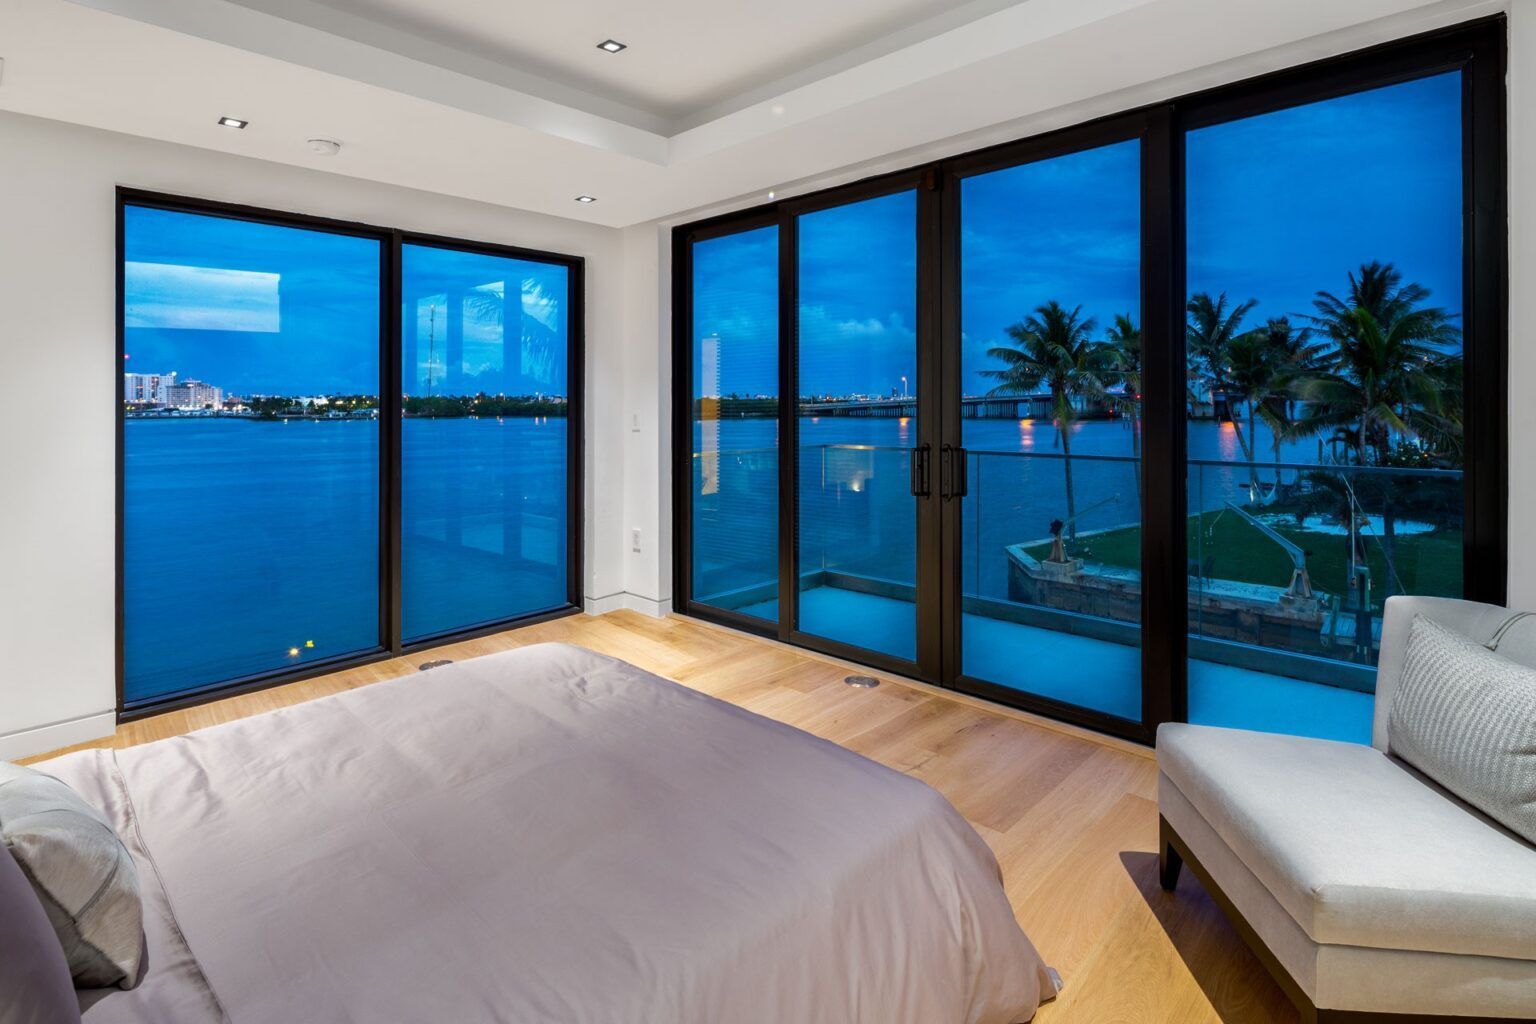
735,313
264,309
858,297
1279,206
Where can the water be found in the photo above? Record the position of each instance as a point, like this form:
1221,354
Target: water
857,514
251,546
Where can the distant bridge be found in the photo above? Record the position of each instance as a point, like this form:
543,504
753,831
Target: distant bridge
1019,407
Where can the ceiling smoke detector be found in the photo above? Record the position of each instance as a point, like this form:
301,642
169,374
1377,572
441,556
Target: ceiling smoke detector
324,147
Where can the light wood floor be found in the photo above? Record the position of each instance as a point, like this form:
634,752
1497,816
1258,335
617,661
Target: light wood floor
1071,816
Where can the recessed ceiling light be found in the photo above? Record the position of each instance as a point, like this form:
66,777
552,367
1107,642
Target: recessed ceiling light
611,46
233,122
586,199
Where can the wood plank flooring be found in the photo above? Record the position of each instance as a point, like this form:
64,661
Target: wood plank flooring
1071,816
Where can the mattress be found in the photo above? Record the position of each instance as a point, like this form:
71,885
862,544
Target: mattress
547,835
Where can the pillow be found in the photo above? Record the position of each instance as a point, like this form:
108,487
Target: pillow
33,972
1466,717
83,876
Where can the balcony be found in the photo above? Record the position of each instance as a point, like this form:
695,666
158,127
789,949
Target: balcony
1289,564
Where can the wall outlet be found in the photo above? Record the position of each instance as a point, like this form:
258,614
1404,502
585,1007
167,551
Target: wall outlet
634,422
634,539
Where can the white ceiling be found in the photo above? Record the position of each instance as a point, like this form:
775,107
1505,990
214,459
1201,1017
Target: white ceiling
684,56
510,102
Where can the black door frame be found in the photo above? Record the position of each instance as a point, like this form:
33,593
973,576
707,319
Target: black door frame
927,665
1162,633
784,216
1476,48
390,594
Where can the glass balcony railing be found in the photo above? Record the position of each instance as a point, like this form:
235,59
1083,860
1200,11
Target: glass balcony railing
857,518
1298,559
736,529
1289,563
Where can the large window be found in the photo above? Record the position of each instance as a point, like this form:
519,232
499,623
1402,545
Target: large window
483,442
250,449
263,454
1138,421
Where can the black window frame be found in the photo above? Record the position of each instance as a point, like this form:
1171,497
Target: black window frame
390,596
1476,48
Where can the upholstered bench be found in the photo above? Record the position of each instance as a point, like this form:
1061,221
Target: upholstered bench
1371,893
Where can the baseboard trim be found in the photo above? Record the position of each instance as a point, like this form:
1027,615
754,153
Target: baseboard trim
30,742
654,607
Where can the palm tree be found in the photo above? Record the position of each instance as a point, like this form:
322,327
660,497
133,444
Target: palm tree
1286,355
1125,338
1377,288
1053,347
1386,380
1389,371
1252,374
1209,332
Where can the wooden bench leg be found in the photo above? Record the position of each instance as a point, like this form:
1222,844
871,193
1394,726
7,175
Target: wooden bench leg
1168,860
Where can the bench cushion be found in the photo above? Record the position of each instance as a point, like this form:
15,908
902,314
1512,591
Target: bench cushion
1466,717
1357,848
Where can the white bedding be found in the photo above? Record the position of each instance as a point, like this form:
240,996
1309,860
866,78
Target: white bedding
549,835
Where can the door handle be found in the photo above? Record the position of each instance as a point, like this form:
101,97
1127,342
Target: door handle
920,485
954,474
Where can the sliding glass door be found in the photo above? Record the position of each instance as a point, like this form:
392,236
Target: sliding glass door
250,448
484,343
1325,322
732,422
1139,421
1050,360
336,443
856,374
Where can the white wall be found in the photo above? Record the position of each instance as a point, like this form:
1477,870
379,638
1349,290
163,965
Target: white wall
647,426
1522,304
58,347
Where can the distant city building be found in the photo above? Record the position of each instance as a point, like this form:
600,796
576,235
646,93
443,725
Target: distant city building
147,388
193,394
170,391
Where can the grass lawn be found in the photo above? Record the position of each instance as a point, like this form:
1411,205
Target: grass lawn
1427,563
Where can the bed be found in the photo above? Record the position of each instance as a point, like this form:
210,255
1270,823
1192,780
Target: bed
547,835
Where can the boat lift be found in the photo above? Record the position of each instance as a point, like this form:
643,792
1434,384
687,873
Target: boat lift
1301,582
